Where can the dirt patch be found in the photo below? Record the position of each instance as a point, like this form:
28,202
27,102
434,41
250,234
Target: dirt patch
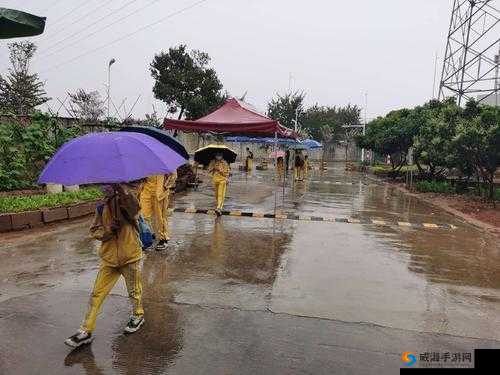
471,209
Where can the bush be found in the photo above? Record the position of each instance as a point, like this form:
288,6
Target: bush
25,148
35,202
434,187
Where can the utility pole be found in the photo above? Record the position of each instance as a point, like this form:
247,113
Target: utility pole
497,85
111,62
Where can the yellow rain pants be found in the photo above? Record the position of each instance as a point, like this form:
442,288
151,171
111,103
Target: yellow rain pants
105,281
152,199
249,165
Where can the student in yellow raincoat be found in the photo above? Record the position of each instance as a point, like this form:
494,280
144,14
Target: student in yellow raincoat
280,167
153,196
219,169
299,166
169,185
249,160
306,166
115,225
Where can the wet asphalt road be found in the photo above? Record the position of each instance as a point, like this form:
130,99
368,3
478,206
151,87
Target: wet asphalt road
242,295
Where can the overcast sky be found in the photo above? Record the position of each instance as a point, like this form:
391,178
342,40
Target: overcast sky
335,51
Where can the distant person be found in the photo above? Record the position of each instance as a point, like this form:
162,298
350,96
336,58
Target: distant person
115,225
169,185
152,198
249,160
219,168
306,166
280,167
287,160
299,166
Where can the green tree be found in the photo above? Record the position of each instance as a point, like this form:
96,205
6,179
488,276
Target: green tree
478,141
391,135
287,108
325,123
186,83
433,149
20,91
87,106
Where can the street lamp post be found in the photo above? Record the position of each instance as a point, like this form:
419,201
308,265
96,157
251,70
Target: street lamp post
364,127
111,62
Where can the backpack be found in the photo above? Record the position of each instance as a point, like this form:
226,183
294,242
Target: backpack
143,229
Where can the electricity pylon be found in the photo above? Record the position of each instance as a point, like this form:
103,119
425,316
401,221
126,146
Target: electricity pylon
470,66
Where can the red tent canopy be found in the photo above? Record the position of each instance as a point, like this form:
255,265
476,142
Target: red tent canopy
235,117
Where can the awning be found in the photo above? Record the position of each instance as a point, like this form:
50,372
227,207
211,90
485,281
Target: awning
16,24
235,117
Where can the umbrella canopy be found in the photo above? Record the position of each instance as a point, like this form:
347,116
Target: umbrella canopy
107,158
277,154
160,135
312,144
15,24
206,154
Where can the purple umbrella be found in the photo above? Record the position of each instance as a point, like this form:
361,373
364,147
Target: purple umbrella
107,158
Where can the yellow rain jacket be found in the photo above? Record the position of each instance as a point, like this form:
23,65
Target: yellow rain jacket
170,182
123,246
219,169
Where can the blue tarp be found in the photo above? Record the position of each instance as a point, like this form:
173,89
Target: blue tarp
312,144
308,144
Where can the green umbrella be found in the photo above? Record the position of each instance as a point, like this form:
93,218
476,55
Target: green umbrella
16,24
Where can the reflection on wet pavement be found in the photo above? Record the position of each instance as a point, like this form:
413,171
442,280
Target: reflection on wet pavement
414,279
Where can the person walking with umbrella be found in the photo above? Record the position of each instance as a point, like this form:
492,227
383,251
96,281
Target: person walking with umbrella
219,168
115,227
217,158
113,159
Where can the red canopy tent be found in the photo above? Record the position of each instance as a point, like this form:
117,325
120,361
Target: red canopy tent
235,117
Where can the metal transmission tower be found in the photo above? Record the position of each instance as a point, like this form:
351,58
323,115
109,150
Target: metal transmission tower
470,65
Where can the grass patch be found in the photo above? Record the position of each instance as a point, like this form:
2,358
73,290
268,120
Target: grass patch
35,202
434,187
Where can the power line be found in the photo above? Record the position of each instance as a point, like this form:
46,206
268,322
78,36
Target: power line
48,37
66,14
173,14
98,30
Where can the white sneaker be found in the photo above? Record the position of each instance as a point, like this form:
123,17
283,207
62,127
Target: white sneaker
79,338
134,324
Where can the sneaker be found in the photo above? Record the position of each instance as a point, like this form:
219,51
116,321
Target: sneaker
78,339
134,324
162,245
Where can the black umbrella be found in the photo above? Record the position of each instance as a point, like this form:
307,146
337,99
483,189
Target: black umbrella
16,24
206,154
160,135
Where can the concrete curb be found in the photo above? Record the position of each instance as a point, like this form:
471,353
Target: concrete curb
347,220
33,219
